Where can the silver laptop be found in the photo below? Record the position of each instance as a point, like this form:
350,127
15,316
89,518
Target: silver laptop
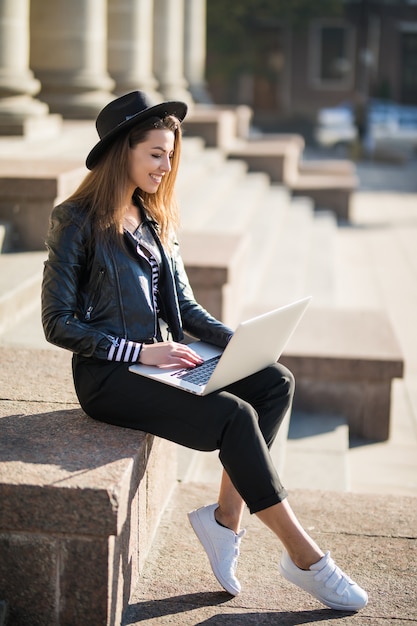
255,344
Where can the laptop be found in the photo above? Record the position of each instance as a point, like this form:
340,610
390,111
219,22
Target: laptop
255,344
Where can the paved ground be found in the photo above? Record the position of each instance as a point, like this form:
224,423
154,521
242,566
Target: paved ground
372,538
378,269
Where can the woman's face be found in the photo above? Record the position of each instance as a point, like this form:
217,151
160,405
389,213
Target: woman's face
150,160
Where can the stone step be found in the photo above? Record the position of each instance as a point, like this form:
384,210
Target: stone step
27,331
344,362
284,278
299,262
328,191
356,285
195,168
277,155
236,212
270,218
199,201
20,282
320,272
316,455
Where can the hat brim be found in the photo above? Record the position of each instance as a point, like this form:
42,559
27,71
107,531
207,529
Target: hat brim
178,109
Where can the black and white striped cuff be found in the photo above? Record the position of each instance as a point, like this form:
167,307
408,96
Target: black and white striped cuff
126,351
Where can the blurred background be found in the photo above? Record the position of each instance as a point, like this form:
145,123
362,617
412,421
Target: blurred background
343,73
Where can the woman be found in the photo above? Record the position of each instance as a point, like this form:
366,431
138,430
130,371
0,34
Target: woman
115,292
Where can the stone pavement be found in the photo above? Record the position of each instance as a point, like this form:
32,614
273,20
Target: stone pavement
371,537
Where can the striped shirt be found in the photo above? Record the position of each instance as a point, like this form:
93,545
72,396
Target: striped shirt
129,351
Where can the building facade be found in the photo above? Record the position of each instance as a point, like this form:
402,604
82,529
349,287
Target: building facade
297,67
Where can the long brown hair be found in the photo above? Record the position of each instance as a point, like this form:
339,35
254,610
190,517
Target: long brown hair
102,193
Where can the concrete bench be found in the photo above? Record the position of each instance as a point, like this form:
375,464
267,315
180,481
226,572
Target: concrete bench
216,267
327,166
278,156
344,362
219,126
28,191
331,191
79,500
329,184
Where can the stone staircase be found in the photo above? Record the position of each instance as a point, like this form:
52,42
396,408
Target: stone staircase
290,254
216,195
278,247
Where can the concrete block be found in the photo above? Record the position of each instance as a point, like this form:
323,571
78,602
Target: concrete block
327,166
344,362
277,157
215,265
20,284
80,500
327,190
217,127
28,192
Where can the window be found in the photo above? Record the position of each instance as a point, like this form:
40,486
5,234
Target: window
331,54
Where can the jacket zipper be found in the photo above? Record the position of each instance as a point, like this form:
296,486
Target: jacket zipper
119,294
90,309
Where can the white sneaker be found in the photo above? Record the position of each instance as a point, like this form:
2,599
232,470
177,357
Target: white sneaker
221,545
326,582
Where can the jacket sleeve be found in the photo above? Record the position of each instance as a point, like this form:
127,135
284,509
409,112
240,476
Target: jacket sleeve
67,262
195,319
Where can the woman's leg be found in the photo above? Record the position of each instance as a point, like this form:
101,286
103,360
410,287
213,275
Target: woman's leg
109,392
270,392
271,395
283,522
222,420
231,505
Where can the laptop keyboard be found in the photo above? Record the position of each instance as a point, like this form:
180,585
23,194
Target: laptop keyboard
200,374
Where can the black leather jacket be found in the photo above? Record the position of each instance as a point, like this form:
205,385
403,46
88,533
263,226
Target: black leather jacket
93,296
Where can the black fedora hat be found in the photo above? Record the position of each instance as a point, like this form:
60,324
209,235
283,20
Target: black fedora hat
124,113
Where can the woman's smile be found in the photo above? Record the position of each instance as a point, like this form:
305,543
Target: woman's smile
150,160
156,178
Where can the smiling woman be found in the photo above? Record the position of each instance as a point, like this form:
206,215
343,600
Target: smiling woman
114,283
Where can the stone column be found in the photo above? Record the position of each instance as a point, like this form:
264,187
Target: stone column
69,55
20,113
130,46
195,49
169,49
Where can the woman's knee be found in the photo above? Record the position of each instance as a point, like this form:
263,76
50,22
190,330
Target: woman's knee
242,419
282,379
289,380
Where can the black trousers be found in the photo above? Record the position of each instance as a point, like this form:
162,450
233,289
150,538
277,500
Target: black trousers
241,421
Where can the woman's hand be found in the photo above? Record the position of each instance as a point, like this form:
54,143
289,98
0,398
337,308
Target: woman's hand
169,353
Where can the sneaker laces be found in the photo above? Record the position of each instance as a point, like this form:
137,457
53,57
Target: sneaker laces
331,575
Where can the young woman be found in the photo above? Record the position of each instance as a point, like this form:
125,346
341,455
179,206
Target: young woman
115,292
